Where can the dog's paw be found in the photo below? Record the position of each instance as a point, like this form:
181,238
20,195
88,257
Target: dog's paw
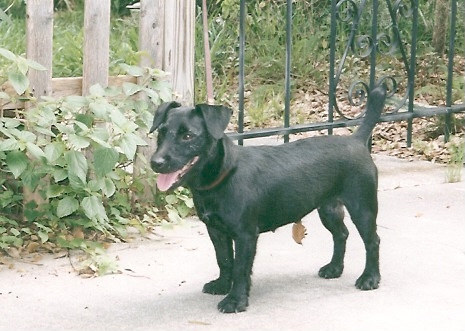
217,286
368,281
231,304
331,271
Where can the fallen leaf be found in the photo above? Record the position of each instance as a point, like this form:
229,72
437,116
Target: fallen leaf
14,253
298,232
32,246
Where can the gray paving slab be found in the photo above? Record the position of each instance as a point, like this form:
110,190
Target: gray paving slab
422,228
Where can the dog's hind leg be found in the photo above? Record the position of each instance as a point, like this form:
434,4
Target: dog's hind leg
332,217
225,259
363,214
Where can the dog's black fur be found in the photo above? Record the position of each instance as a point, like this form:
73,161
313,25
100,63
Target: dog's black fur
240,192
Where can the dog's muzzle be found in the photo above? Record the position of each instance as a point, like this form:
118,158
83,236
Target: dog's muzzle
165,181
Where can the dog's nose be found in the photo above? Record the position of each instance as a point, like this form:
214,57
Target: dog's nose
157,162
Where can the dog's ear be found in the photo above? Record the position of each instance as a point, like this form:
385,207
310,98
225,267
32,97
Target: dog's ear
216,118
160,113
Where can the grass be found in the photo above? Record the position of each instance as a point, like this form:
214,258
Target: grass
265,52
68,39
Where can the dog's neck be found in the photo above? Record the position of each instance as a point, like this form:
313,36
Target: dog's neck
222,164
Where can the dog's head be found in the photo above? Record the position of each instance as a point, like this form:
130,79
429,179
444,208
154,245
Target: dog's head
184,137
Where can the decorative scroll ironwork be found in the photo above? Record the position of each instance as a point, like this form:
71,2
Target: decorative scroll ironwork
351,79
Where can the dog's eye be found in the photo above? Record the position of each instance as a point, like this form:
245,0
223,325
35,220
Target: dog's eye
187,136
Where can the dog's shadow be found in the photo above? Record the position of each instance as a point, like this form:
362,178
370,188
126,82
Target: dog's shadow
282,288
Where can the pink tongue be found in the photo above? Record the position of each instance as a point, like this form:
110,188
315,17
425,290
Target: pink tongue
165,181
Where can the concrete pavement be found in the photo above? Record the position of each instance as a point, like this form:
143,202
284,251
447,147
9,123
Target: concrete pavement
422,228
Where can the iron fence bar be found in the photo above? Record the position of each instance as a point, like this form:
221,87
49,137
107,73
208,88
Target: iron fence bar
374,37
392,117
450,68
411,71
287,84
241,68
332,63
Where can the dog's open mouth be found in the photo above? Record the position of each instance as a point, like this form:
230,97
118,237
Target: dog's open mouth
167,181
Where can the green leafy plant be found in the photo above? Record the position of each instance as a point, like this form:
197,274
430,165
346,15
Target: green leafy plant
76,154
455,147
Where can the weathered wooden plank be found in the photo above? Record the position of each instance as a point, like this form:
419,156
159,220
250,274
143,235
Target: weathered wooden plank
151,30
151,41
39,47
179,48
96,43
64,86
39,44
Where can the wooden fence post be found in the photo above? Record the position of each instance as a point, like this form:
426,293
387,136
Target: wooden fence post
39,44
39,47
96,44
179,48
151,28
166,34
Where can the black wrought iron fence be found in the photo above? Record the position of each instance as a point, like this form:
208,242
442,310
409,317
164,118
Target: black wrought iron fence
364,59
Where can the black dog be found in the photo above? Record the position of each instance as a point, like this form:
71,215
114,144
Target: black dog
240,192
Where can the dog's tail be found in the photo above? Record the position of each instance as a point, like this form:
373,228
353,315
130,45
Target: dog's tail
375,106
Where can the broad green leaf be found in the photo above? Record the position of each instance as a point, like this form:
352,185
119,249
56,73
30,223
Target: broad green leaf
99,141
173,215
8,145
59,175
118,118
129,143
4,95
93,208
108,187
21,64
30,177
97,90
17,162
26,136
77,167
53,151
93,186
43,236
67,129
153,96
10,122
7,54
81,127
86,119
105,160
19,82
54,191
78,142
101,109
128,147
131,88
67,206
45,131
132,70
34,150
171,199
76,101
4,17
35,65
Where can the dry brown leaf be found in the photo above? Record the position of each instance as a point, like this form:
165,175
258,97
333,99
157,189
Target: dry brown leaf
14,252
298,232
78,233
32,246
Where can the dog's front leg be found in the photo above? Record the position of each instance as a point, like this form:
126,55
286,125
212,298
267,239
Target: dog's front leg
225,259
238,299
